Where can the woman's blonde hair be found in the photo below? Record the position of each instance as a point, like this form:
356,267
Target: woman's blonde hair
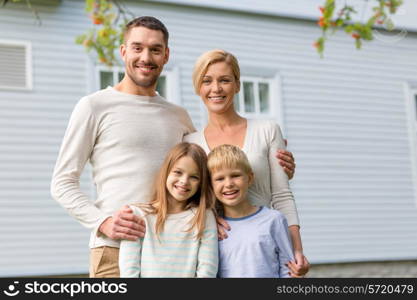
211,57
202,200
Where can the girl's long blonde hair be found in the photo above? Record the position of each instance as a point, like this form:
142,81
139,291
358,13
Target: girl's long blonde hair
202,200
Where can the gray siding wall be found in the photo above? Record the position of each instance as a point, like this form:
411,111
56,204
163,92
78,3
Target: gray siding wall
344,117
345,120
38,237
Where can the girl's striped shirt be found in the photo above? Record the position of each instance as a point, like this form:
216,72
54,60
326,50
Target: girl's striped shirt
177,253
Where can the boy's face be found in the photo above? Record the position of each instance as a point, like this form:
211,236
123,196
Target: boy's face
230,185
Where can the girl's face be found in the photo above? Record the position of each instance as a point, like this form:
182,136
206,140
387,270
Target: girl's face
218,88
182,183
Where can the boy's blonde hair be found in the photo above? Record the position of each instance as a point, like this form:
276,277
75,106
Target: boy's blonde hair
228,156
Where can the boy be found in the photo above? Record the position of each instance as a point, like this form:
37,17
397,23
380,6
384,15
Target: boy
258,244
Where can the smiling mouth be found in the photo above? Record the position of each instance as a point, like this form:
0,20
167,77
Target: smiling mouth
146,69
181,189
217,98
230,194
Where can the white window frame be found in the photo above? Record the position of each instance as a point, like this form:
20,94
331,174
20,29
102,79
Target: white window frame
411,93
275,100
255,81
173,93
115,70
28,61
173,85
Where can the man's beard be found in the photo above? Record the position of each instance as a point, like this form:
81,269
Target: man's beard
144,82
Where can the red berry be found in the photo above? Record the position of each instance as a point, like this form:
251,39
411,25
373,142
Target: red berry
321,22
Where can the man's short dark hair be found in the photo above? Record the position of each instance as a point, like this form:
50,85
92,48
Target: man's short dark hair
148,22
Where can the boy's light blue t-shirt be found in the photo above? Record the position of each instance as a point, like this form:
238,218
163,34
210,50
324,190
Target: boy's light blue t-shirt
258,245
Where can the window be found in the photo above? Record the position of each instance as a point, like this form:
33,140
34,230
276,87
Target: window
165,86
15,65
255,97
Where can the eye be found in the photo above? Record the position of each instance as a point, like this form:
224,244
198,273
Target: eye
218,179
225,80
206,81
177,172
195,177
156,50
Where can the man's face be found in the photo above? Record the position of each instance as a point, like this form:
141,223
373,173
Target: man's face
144,54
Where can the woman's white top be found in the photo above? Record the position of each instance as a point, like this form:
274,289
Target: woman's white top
270,187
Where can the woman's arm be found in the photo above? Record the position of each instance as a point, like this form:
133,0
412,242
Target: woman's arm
282,198
283,201
286,160
301,265
283,244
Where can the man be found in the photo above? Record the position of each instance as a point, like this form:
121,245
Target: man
125,132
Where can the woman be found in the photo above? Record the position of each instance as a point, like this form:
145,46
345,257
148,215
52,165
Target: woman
216,80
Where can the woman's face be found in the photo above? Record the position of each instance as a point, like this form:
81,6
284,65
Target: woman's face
218,88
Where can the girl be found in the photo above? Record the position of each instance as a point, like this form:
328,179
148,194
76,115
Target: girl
181,235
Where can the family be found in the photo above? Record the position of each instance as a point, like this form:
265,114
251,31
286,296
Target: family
170,201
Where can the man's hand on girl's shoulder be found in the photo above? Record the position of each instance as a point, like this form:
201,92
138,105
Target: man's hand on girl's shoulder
123,225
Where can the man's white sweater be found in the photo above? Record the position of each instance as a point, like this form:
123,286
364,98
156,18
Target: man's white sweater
126,137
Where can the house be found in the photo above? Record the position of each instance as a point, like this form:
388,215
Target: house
350,120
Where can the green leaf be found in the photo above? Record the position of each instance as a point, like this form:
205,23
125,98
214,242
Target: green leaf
358,43
371,21
89,4
102,40
349,29
329,9
80,39
367,34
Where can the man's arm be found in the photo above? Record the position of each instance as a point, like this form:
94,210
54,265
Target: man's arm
76,148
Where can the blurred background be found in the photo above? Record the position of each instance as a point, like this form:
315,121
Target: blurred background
349,117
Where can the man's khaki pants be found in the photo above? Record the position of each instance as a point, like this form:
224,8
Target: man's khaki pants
104,262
